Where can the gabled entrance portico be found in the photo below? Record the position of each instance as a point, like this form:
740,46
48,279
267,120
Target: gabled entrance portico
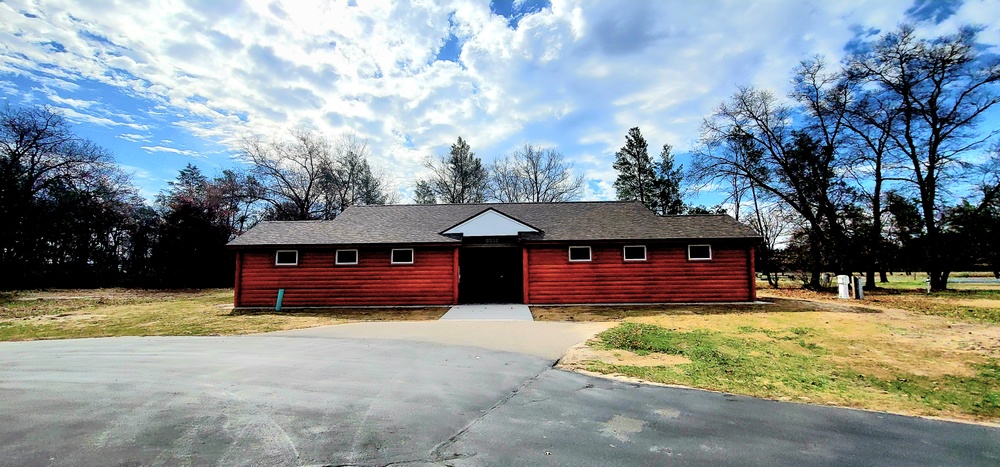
491,261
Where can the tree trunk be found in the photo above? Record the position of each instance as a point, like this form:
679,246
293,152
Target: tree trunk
870,278
772,278
935,270
938,277
882,278
815,257
875,237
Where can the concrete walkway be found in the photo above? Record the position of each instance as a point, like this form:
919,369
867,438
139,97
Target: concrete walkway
489,312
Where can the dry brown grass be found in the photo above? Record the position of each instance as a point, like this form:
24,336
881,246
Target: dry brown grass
604,313
969,304
62,314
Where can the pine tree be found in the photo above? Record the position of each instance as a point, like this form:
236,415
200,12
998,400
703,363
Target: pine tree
459,177
636,176
423,193
668,184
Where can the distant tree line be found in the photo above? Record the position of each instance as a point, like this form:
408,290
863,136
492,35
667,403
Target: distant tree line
873,165
72,218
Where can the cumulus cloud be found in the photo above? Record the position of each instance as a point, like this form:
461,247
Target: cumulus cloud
413,77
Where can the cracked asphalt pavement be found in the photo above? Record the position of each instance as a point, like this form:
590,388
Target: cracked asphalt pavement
313,399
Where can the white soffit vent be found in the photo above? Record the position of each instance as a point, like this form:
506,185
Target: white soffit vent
490,223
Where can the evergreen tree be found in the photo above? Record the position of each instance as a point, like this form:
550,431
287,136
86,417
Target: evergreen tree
459,177
192,236
668,184
636,175
423,193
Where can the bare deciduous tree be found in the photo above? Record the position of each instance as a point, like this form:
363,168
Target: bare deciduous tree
291,172
773,222
789,165
40,159
308,177
533,175
350,179
942,87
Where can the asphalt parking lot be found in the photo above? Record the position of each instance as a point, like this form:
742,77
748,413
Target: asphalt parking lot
312,398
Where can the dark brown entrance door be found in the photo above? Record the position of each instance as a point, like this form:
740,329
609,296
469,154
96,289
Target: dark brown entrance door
490,275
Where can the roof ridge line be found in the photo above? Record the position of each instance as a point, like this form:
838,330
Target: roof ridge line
494,204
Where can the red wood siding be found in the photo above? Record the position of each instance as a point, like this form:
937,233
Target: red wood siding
316,281
236,282
666,275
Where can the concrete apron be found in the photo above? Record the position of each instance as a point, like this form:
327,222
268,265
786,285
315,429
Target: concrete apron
489,312
548,340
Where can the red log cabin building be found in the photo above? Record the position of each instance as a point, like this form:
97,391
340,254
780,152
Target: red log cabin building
538,253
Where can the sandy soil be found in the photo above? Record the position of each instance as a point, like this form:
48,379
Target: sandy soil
576,358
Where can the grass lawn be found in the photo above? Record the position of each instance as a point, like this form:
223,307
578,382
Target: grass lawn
917,354
964,301
61,314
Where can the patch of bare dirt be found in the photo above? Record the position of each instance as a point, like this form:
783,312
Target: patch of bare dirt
982,303
60,318
353,314
576,358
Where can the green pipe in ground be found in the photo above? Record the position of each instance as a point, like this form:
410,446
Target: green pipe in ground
281,296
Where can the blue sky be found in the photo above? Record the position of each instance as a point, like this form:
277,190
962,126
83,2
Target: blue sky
163,84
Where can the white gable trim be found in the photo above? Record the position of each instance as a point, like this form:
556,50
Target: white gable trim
490,223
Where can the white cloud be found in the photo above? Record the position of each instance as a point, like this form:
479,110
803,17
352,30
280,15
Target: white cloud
73,114
8,87
78,104
183,152
575,75
134,138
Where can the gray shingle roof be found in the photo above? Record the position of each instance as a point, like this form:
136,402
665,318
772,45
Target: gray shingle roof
422,223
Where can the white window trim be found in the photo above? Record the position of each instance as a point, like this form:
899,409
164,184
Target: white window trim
336,258
590,254
644,253
700,259
276,253
392,255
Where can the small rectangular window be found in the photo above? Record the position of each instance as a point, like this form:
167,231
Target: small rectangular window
347,257
579,253
402,256
635,253
700,252
286,258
